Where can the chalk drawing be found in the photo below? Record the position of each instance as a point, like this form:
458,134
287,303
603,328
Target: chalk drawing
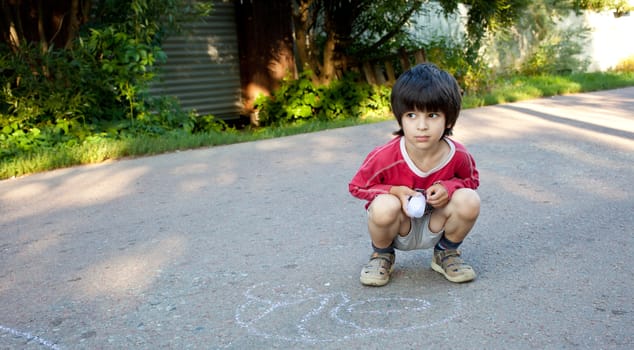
301,314
29,337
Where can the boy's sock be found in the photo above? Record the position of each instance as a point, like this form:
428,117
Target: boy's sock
445,244
389,249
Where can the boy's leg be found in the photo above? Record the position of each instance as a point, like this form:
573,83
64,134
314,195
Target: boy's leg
385,220
457,218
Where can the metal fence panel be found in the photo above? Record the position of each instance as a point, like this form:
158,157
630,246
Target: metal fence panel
202,68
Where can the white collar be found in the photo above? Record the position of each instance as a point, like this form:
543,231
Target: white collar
442,164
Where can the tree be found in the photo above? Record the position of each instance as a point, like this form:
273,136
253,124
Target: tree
328,31
539,43
325,29
50,23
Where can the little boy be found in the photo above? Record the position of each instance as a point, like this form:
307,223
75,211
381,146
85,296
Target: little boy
422,158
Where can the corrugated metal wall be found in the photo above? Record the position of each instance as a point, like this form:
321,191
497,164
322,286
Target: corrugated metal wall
202,67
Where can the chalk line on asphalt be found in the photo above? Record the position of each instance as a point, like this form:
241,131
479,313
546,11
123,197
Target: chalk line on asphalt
301,314
28,336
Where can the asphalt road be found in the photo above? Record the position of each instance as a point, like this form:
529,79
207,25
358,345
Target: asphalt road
259,245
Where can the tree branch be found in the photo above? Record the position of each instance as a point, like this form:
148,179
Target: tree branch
395,30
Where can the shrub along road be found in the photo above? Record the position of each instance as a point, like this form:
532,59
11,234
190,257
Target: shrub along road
259,245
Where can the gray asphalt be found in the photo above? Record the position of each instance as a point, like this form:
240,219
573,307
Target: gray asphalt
259,245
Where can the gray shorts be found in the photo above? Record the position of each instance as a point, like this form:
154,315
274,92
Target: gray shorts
419,236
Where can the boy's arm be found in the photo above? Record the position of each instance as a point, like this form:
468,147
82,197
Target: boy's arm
369,182
466,175
366,186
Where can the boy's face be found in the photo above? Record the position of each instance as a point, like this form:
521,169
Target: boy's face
423,129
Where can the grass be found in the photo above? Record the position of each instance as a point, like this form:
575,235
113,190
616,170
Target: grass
511,89
520,88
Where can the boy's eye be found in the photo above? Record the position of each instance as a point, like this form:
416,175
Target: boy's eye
433,115
411,115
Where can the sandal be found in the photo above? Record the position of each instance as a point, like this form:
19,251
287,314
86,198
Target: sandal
377,271
450,265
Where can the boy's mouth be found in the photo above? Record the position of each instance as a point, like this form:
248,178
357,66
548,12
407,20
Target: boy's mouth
421,138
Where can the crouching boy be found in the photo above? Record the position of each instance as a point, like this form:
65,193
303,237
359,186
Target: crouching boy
421,159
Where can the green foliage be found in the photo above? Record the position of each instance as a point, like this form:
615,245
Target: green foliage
300,100
124,65
43,99
518,87
625,65
209,123
101,146
98,87
540,43
620,7
472,74
554,55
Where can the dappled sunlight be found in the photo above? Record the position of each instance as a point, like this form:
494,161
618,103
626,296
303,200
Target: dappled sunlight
589,109
121,274
194,186
89,187
281,61
190,169
492,123
293,150
165,246
200,175
580,156
570,142
35,247
224,178
212,50
327,149
325,157
531,119
613,133
20,193
587,112
225,173
273,145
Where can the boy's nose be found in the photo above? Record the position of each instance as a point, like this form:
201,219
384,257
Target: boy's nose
422,124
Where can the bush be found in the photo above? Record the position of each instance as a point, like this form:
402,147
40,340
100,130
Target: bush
60,96
472,74
95,87
44,99
300,100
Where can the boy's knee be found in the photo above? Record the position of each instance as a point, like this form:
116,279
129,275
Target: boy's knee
385,209
467,203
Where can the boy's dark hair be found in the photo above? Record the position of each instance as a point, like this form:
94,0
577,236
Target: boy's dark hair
425,87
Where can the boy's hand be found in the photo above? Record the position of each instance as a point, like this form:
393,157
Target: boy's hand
437,196
403,193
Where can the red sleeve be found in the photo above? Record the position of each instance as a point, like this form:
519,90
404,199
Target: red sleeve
367,183
465,173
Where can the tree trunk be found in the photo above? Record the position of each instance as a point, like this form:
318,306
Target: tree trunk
328,64
304,17
40,27
12,25
73,24
339,17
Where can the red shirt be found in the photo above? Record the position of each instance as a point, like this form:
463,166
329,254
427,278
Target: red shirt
390,165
